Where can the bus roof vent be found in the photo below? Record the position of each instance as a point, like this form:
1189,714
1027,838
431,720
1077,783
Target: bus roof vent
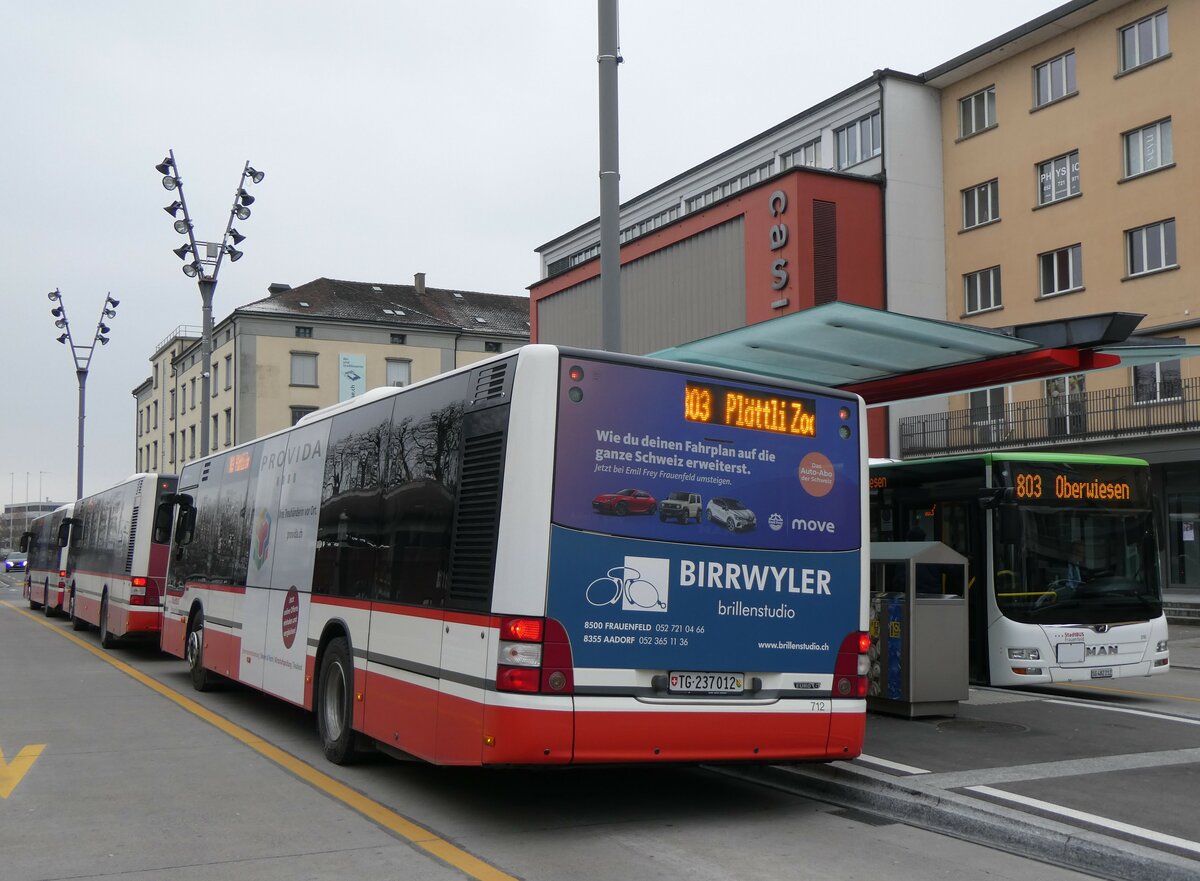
133,523
473,553
491,385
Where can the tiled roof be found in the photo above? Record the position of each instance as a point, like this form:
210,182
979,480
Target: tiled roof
401,306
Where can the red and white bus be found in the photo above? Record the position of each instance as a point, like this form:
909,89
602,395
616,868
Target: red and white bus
46,574
424,567
117,568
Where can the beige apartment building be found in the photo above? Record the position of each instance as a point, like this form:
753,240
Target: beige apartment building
303,348
1071,157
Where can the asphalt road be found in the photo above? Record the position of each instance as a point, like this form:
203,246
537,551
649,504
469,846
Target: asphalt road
115,767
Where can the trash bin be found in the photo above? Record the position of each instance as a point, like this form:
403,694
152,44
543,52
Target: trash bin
918,629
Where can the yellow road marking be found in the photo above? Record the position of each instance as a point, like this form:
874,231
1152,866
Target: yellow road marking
387,818
1174,697
12,772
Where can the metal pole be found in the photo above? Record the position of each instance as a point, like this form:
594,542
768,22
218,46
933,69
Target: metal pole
610,180
207,287
82,374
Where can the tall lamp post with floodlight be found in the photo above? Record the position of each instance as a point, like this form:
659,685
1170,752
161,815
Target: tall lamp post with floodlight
83,359
202,261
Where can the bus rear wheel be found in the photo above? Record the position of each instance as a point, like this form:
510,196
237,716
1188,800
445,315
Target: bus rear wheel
193,653
107,640
334,704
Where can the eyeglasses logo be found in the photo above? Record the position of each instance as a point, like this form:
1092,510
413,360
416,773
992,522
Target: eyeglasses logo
641,585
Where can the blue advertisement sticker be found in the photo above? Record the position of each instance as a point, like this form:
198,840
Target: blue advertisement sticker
668,606
665,455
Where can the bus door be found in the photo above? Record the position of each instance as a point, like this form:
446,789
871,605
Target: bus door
279,577
959,526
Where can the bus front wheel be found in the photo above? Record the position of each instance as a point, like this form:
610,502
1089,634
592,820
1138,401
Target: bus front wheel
334,703
193,652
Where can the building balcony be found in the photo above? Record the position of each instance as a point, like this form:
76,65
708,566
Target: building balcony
1136,411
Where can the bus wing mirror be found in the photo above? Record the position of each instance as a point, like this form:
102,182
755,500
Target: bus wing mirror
64,533
23,545
994,497
162,522
185,525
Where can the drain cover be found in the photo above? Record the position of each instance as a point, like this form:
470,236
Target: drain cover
979,726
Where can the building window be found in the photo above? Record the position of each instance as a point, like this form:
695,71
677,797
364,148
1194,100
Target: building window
1054,80
399,372
982,290
154,457
1161,381
649,224
806,155
154,405
977,112
987,405
214,382
172,415
858,141
192,442
399,339
156,376
193,407
1150,248
304,332
981,204
1061,271
1058,178
1144,41
228,372
183,398
304,368
216,425
228,426
299,413
720,191
1148,148
491,346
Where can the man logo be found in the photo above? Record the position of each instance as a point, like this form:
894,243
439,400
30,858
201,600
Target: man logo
641,585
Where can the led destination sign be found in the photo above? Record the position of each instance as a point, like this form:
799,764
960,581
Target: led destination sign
779,414
1052,486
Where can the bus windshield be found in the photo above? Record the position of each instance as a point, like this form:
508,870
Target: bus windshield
1077,566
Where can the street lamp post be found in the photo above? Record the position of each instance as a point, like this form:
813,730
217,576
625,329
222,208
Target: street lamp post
82,354
205,263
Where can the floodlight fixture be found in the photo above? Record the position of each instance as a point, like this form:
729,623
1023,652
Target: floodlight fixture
254,174
102,340
242,212
57,311
61,323
54,295
191,270
173,208
182,226
110,313
234,254
112,302
102,327
182,251
63,339
165,166
169,182
246,198
236,236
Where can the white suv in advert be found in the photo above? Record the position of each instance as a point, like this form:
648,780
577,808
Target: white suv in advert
731,514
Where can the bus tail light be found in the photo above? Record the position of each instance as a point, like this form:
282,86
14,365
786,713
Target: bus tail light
534,657
143,591
851,666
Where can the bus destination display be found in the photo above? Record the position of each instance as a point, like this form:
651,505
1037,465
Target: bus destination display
1053,486
719,405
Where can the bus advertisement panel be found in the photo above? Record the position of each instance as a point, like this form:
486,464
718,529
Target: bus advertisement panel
767,578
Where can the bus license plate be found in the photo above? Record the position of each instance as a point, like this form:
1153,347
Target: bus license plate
707,683
1102,673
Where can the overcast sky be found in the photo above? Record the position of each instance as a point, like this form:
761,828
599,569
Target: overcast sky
450,138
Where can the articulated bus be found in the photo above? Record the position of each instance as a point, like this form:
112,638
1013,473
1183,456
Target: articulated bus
1062,557
117,567
437,571
46,573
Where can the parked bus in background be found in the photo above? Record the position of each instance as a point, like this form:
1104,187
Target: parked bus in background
117,568
1062,557
46,574
425,569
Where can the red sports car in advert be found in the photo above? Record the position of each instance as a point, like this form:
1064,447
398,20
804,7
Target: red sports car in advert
627,501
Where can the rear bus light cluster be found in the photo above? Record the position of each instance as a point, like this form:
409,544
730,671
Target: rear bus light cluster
143,591
852,666
535,657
